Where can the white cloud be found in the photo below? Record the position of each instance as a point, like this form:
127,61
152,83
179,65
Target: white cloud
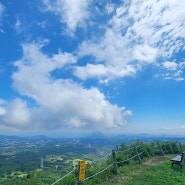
18,26
2,107
102,72
90,70
145,53
111,53
35,62
109,8
139,33
181,127
154,24
72,12
61,103
173,71
41,24
2,9
17,114
170,65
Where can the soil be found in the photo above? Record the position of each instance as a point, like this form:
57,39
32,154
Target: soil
157,160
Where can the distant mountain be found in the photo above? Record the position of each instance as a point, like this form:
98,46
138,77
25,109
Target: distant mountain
39,137
97,135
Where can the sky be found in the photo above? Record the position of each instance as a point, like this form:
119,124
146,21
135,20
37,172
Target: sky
72,67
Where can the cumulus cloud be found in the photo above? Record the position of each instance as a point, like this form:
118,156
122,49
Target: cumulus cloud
60,103
72,12
103,72
135,33
16,114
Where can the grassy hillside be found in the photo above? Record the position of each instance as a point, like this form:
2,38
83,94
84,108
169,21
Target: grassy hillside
155,168
155,171
136,164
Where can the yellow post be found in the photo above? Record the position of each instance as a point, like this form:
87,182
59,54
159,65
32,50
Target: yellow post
81,171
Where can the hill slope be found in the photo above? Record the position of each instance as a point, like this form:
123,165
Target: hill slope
156,171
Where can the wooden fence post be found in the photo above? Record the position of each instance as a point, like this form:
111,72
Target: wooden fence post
78,180
171,148
180,147
164,149
114,162
145,150
160,148
137,154
117,148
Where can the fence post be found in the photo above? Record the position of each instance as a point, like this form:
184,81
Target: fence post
152,151
114,162
145,150
164,149
180,147
137,154
160,148
117,148
171,148
78,180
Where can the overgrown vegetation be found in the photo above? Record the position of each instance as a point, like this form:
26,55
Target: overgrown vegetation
158,173
155,168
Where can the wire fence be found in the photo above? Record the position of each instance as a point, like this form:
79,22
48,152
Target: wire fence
97,173
126,150
126,160
64,176
101,158
136,151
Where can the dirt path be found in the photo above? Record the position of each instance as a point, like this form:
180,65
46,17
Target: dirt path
157,160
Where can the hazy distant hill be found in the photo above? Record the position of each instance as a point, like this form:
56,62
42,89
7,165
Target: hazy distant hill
97,135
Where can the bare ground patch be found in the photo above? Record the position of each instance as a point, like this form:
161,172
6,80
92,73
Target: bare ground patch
157,160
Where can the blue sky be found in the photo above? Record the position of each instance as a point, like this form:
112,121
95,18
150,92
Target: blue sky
72,66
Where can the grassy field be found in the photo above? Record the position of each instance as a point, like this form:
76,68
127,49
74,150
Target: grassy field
156,171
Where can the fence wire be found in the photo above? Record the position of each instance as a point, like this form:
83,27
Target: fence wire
126,150
118,162
64,176
94,161
98,173
111,166
115,162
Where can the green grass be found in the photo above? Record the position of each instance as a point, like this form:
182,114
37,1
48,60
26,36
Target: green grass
160,174
145,174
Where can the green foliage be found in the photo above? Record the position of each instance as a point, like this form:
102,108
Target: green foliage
54,168
157,175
